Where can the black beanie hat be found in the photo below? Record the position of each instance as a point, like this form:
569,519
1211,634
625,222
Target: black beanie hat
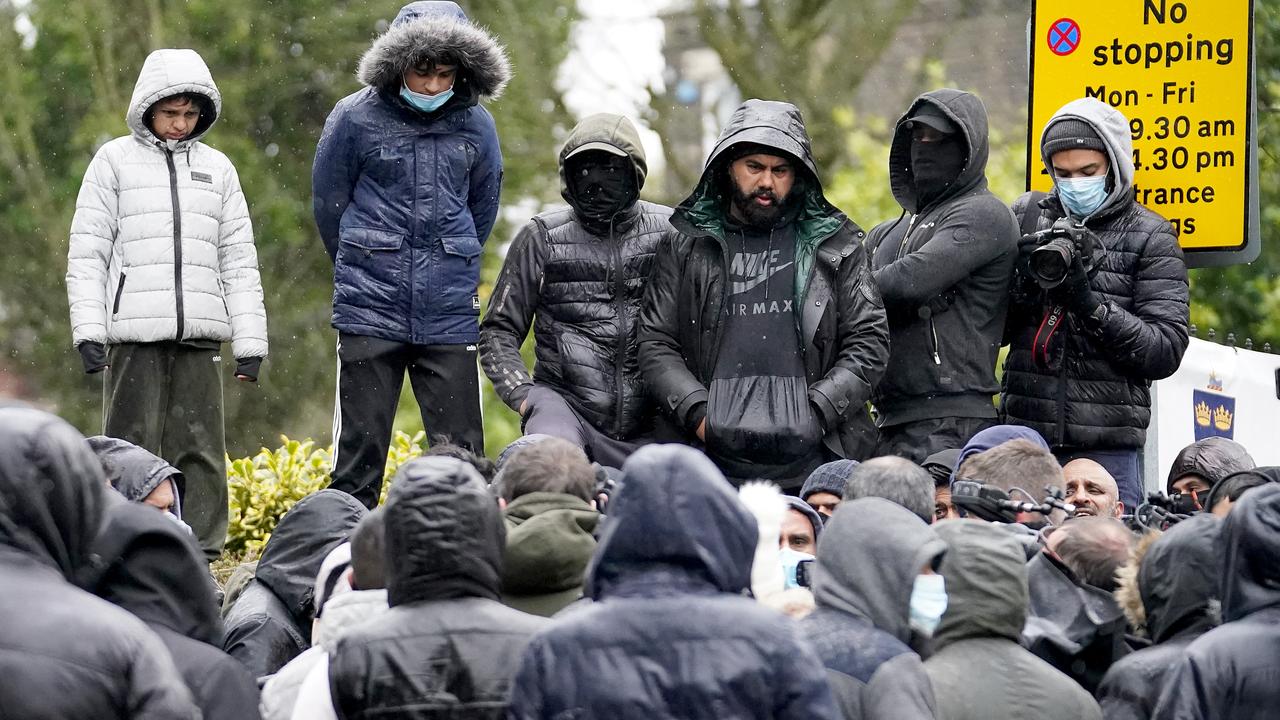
1071,134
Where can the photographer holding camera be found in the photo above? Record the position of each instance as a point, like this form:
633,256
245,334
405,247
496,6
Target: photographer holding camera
1099,305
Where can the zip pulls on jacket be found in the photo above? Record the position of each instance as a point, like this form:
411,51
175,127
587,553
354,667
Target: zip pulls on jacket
177,235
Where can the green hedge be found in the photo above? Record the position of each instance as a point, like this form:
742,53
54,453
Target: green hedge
262,488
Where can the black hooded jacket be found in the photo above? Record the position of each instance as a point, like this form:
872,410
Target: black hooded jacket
155,570
1232,671
944,274
1178,583
1097,392
135,472
670,632
580,286
270,623
447,648
843,333
63,652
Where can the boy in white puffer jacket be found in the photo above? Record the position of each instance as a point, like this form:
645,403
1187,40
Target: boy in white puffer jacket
162,270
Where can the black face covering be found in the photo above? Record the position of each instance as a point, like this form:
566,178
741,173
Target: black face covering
936,165
601,185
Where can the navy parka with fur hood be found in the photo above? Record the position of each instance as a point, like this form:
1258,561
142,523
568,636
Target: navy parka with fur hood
403,199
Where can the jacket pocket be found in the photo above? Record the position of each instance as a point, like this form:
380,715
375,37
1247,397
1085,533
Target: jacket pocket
370,269
115,306
458,275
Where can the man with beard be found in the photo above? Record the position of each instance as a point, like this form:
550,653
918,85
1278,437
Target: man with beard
582,270
762,331
943,268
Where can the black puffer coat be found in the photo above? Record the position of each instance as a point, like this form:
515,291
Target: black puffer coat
1231,671
1212,459
156,571
670,634
843,331
447,648
944,274
1099,393
580,286
270,623
63,652
1178,583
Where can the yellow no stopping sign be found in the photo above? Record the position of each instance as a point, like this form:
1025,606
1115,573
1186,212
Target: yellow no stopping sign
1182,72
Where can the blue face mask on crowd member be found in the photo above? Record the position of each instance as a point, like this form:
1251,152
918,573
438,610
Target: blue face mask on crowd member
928,603
1082,196
425,103
791,560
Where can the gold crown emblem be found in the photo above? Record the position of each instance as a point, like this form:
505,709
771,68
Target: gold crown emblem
1203,415
1222,418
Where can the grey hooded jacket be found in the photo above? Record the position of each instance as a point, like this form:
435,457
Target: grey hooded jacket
944,273
868,558
1097,391
978,670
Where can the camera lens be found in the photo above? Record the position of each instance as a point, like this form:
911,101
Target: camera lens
1049,263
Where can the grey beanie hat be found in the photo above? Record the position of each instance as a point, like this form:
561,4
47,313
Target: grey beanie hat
1070,134
828,477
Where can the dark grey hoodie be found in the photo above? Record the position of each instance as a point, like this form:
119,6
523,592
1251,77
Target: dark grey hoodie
978,670
944,272
869,555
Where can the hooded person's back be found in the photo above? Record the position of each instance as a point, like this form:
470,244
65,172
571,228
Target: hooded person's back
868,559
157,572
979,671
447,647
270,622
550,540
670,632
1232,670
63,652
1178,584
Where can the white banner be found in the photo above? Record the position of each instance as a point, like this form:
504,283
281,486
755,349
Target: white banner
1218,390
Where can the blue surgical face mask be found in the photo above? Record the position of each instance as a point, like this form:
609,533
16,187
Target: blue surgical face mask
1082,196
928,602
425,103
790,561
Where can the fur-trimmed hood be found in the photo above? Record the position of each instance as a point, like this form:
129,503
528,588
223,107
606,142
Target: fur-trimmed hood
430,31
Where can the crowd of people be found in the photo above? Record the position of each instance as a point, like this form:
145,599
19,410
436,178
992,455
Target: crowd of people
548,586
763,472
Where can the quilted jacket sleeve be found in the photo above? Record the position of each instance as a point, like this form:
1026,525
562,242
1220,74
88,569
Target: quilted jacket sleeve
511,310
486,179
863,337
1150,341
238,270
333,177
93,232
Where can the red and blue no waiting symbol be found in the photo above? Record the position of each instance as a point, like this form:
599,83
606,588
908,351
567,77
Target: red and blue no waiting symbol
1064,36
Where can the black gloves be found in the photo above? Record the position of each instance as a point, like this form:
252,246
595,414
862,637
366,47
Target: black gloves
248,367
94,355
1074,293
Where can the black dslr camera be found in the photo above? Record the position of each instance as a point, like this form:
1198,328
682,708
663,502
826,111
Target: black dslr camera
1057,248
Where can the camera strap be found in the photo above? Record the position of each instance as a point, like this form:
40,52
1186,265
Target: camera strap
1053,317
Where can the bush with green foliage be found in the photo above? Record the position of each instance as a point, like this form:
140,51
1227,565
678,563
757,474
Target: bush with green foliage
262,488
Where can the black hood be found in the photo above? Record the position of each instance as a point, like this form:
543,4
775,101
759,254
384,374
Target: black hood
1178,577
674,511
444,533
156,571
51,490
966,111
1212,459
133,471
429,32
1249,572
291,560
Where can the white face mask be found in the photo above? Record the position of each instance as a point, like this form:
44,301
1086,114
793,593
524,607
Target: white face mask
928,603
1082,196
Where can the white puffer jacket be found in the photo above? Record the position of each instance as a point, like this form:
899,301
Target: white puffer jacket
161,242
